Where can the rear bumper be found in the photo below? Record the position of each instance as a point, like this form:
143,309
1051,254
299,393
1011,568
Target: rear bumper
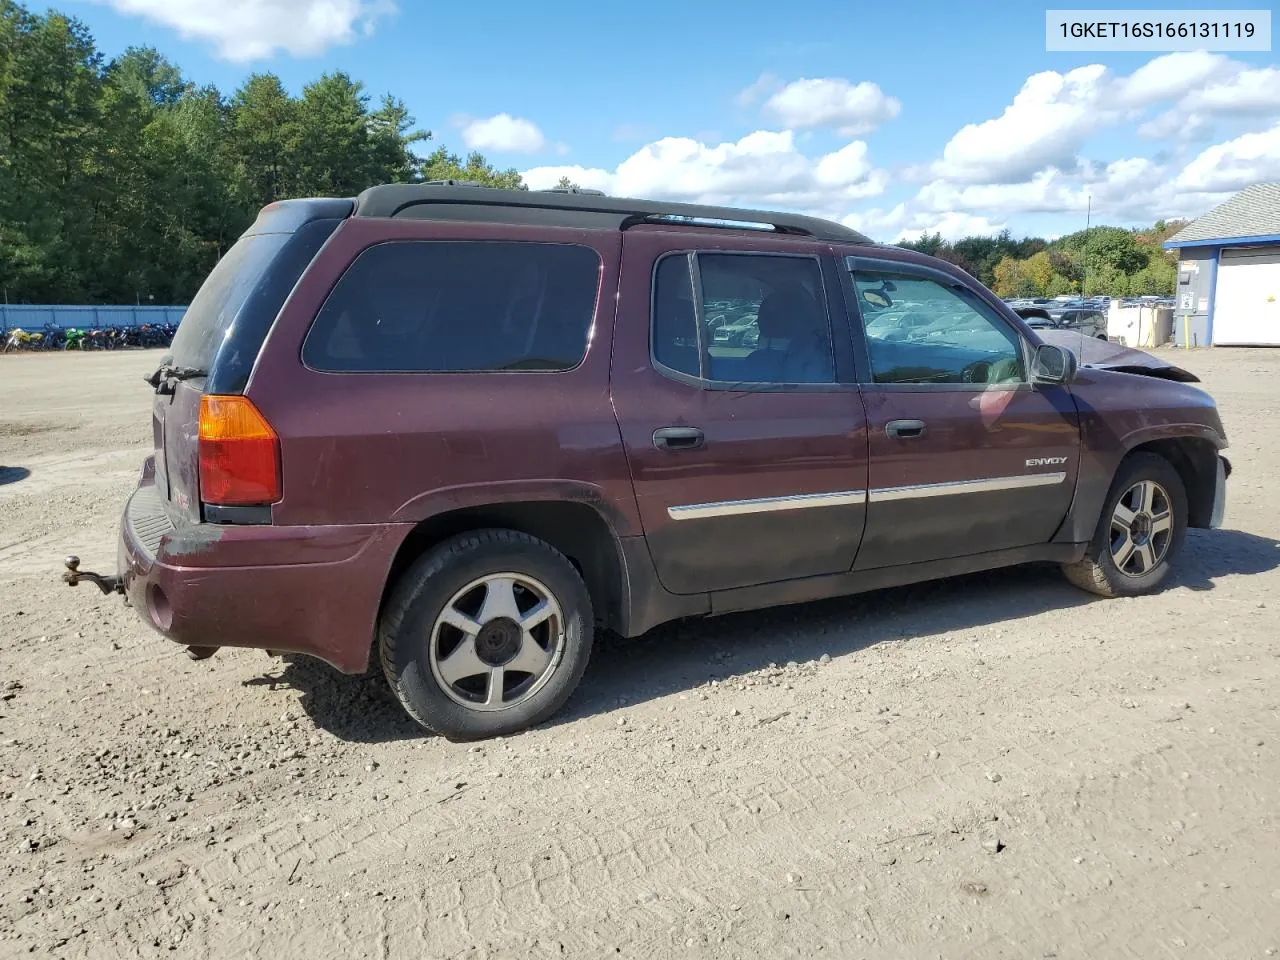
313,590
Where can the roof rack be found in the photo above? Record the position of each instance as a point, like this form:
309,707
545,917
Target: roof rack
583,191
459,200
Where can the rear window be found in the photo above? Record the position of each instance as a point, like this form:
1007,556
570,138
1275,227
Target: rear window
447,306
210,317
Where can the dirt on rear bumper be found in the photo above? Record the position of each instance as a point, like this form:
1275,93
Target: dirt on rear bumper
314,590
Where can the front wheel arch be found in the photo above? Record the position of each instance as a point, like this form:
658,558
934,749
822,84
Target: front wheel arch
1196,461
1097,571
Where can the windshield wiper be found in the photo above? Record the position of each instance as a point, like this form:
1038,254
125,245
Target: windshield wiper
168,375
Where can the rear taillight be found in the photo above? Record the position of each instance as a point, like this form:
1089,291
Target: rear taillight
239,453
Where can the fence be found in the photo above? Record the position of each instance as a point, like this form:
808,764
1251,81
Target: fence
31,317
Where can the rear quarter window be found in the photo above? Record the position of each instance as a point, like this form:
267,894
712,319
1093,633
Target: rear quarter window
447,306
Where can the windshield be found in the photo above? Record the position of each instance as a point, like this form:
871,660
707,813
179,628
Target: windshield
212,313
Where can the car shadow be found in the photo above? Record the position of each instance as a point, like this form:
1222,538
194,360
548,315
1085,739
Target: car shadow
360,709
677,657
1211,554
681,656
13,475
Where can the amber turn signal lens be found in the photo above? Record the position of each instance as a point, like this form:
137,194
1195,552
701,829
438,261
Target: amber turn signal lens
239,453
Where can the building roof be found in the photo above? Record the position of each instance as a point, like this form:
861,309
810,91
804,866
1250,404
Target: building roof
1251,215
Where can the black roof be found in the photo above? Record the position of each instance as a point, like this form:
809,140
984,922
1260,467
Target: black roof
450,200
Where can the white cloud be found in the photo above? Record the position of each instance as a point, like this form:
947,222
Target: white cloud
903,223
764,168
1226,167
1211,87
852,109
1028,168
1028,162
245,30
503,132
1045,126
1175,125
1171,76
1241,92
543,178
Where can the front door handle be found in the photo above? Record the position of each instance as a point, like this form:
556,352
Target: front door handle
678,438
904,429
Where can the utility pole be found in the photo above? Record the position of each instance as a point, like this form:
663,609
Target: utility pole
1088,214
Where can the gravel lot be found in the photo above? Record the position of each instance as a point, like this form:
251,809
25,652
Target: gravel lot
993,766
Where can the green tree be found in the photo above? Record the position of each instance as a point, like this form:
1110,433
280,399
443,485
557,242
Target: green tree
1107,247
1066,264
929,243
1158,278
334,158
124,180
1104,279
265,138
1010,279
392,135
148,75
1039,270
443,165
50,135
1059,285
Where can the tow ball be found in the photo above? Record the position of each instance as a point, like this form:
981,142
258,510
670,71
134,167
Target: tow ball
74,575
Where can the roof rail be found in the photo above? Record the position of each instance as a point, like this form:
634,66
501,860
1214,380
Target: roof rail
582,191
455,183
589,209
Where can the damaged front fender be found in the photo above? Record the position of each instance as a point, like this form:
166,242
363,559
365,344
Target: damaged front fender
1105,355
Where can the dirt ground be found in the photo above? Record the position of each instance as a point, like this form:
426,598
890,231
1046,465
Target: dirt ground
994,766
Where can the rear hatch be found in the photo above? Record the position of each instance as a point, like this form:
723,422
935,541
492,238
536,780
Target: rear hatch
222,332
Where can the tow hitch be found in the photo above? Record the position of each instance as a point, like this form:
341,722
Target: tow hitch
74,575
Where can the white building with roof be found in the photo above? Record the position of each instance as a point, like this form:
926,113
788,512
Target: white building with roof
1228,290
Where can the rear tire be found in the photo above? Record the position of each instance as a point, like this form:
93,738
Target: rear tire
486,634
1141,529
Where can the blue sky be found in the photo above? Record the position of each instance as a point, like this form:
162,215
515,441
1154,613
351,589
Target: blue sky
895,117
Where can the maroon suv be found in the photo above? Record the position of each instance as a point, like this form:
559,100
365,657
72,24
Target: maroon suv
462,429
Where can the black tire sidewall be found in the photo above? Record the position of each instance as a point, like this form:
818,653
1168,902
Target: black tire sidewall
1142,466
429,584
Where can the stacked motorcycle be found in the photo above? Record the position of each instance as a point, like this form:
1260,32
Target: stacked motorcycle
53,337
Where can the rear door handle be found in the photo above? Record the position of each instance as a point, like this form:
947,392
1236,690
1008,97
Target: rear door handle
678,438
904,429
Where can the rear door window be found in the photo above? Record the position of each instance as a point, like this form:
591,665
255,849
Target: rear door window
754,319
435,306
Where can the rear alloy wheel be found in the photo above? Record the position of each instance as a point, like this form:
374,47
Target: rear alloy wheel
486,634
1142,527
497,641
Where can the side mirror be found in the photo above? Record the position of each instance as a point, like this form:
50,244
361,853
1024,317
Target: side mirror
1053,365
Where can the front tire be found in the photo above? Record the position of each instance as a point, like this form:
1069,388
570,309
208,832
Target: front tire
1140,532
486,634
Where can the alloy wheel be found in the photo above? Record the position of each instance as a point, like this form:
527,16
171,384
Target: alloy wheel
1141,528
497,641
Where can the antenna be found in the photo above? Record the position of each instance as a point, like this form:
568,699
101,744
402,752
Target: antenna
1088,215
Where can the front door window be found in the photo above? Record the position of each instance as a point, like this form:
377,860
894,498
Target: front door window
919,331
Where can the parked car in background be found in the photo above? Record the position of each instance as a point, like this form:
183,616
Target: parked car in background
455,431
1086,319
